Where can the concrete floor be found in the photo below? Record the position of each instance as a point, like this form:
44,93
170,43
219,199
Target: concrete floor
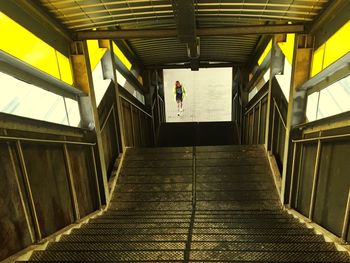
208,94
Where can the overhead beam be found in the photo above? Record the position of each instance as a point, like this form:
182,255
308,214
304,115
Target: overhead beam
200,65
212,31
329,14
185,20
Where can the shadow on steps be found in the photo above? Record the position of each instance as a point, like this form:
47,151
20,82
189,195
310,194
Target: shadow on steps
197,134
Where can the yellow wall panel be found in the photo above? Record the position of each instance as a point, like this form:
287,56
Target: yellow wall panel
65,68
317,61
332,50
264,54
121,56
288,47
337,45
95,53
22,44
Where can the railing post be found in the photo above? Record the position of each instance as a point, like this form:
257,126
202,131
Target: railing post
292,175
296,111
83,79
315,180
92,151
276,67
71,183
21,195
273,126
345,228
259,120
29,191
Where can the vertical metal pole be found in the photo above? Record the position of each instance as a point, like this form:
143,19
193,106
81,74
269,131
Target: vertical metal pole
299,172
29,191
345,229
65,107
273,126
71,183
132,126
251,139
259,120
119,105
292,175
116,130
21,196
96,176
142,130
315,179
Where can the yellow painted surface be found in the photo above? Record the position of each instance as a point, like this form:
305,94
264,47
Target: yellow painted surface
333,49
264,54
288,47
317,60
140,79
22,44
95,53
65,68
121,56
337,45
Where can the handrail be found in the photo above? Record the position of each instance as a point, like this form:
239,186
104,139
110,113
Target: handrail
45,140
279,113
107,117
133,104
257,102
322,138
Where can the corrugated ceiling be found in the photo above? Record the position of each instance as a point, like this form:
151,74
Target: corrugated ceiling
80,15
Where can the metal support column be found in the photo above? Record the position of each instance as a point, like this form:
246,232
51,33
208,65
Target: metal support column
297,99
276,67
83,80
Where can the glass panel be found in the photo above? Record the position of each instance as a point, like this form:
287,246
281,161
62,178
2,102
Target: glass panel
100,84
23,99
334,99
252,93
73,112
311,108
284,79
122,81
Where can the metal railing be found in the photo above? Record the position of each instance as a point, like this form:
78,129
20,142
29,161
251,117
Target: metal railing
36,233
296,174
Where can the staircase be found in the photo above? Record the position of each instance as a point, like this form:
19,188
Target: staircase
193,204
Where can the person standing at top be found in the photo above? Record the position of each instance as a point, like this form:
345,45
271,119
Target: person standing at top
180,93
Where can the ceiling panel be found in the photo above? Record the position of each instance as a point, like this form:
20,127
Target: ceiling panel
80,15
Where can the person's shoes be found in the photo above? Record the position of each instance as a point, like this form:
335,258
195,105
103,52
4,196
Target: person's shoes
181,109
178,114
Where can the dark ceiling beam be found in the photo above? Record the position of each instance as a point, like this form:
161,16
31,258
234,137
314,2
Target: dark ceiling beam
200,65
327,15
212,31
185,21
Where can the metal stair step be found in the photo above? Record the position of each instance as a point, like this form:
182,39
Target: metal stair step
258,238
125,238
137,225
233,256
103,256
156,171
125,231
142,206
254,231
115,246
158,196
254,225
151,187
262,246
140,179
